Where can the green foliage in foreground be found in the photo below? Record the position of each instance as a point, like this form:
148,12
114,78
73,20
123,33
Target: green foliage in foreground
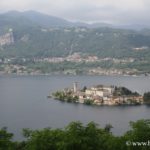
77,136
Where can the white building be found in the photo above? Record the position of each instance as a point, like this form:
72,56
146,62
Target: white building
100,90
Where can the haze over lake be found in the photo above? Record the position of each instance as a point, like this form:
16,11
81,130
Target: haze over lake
24,103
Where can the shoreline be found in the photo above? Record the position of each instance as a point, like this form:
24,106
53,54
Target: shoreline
102,105
55,73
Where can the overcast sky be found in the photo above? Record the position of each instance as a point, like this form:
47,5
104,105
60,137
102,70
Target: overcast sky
108,11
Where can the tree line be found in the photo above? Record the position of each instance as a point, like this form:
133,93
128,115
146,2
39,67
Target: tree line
77,136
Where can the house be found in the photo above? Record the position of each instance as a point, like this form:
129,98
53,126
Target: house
100,90
110,89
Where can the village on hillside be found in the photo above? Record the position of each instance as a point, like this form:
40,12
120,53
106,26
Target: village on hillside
99,95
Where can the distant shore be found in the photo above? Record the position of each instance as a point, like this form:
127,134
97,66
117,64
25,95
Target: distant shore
61,73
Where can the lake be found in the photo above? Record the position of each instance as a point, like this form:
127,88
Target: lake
24,103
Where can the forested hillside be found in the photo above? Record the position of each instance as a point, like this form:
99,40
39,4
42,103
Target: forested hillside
56,37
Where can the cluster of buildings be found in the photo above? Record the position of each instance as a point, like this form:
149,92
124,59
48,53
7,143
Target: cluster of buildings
112,71
78,57
104,95
75,57
140,48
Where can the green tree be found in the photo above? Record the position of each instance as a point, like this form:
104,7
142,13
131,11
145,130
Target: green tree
108,127
77,136
84,89
140,132
6,140
46,139
146,97
88,101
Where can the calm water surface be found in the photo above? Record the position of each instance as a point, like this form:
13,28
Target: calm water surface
24,103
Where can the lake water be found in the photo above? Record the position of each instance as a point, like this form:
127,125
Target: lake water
24,103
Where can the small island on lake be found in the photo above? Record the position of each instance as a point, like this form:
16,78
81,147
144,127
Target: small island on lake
101,95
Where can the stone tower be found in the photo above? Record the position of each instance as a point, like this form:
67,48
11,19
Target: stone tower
75,87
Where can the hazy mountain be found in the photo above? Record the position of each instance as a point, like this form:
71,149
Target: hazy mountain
34,35
29,18
33,18
133,27
45,20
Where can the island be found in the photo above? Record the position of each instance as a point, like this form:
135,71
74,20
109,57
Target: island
99,95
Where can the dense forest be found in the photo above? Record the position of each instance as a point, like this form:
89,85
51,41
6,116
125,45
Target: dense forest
77,136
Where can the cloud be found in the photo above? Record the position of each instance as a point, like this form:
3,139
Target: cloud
111,11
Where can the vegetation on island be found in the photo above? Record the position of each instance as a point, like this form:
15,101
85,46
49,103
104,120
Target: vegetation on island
88,101
68,97
62,96
146,97
120,91
77,136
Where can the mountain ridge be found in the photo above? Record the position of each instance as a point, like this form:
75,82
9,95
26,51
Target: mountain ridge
46,20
